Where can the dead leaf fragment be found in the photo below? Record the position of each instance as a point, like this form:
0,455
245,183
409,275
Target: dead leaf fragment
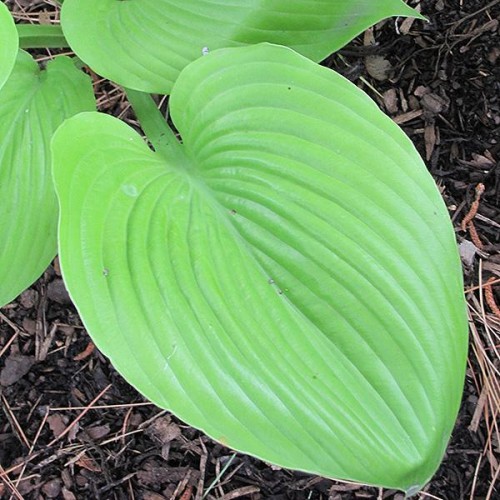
164,430
57,424
481,161
406,25
45,17
88,463
467,251
378,67
98,431
16,367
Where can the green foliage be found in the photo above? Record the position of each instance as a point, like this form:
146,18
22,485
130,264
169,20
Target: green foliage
33,104
285,277
8,43
144,44
291,197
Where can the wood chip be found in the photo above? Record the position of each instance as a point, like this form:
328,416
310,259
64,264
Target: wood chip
430,138
67,494
52,488
391,101
406,117
240,492
434,103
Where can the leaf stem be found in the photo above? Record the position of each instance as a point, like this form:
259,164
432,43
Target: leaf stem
154,125
39,36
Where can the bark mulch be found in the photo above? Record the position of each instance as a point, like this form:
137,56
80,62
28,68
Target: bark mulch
71,428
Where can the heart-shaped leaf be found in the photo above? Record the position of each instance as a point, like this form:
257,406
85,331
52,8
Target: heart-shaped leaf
33,104
287,281
9,43
145,44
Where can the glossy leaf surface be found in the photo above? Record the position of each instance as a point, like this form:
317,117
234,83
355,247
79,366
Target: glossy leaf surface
144,44
287,279
9,43
33,104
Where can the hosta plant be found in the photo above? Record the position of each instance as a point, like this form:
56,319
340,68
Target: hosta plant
281,273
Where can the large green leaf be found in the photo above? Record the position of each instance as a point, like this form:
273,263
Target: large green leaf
33,104
286,280
144,44
9,43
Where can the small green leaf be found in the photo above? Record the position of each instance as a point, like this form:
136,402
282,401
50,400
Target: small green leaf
144,44
33,104
9,43
290,284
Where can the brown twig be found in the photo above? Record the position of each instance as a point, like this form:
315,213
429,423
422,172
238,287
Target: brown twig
15,424
125,424
490,298
240,492
35,440
85,353
473,209
203,467
8,344
12,487
474,236
492,485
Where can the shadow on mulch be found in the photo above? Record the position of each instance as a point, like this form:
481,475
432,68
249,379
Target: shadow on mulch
440,81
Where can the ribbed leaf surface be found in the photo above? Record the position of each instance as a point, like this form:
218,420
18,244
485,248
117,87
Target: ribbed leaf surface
9,43
32,105
290,284
145,44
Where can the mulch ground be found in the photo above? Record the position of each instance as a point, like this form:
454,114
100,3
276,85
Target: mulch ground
71,428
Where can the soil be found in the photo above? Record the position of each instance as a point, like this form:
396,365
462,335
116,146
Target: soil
71,428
